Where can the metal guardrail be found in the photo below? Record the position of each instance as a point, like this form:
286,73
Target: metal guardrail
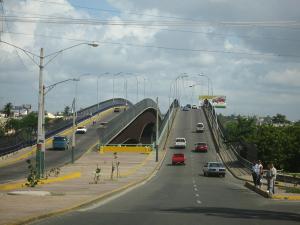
116,125
213,119
82,115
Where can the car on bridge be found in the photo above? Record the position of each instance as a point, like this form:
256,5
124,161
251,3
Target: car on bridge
81,130
201,147
185,108
214,168
200,127
180,142
117,109
60,142
178,159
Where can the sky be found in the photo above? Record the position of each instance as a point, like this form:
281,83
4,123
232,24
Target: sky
249,50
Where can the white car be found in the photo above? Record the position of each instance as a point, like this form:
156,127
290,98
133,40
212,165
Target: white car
214,168
81,130
200,127
194,107
180,143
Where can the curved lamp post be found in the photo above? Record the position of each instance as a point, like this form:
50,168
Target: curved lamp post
40,153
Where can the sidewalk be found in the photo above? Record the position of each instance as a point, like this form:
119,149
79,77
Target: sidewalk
71,192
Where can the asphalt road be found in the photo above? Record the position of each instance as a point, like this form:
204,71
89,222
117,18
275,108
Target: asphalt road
182,195
55,158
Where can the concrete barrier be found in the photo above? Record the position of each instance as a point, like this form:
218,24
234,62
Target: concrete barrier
120,148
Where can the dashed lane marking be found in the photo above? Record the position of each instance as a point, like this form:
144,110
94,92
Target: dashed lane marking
199,202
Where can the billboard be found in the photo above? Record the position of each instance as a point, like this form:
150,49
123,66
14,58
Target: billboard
218,101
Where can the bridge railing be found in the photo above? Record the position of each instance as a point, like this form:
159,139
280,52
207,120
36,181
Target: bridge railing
116,125
216,129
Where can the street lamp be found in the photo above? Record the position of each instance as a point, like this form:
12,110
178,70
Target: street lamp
98,78
40,153
177,89
208,81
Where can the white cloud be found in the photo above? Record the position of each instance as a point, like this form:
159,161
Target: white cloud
289,77
248,81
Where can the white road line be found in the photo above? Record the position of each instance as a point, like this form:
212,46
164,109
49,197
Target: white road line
199,202
195,189
195,185
197,195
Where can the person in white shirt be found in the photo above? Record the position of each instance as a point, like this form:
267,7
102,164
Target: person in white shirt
254,176
259,173
271,177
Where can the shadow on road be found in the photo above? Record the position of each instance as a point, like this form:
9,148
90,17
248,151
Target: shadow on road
238,213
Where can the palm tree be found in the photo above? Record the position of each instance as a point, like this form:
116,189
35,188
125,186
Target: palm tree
7,109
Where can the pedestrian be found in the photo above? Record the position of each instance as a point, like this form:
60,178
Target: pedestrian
254,176
271,177
259,169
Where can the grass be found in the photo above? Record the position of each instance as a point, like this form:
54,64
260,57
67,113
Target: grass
295,190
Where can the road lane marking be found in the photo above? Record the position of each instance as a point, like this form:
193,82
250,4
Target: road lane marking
199,202
197,195
195,185
195,189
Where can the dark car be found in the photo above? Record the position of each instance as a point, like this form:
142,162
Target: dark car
201,147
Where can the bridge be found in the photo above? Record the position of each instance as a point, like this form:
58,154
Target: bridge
177,194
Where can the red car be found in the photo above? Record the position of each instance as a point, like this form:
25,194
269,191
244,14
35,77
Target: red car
178,158
201,147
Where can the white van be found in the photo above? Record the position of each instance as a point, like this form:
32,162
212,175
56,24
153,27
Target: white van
200,127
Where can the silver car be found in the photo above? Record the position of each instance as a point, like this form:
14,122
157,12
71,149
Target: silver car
214,168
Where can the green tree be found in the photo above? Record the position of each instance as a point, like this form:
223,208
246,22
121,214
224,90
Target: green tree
13,124
67,111
7,109
29,125
279,119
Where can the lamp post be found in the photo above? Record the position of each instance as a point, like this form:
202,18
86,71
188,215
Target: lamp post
40,153
98,78
177,89
208,81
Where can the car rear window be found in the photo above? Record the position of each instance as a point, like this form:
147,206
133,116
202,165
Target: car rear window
201,144
180,140
178,155
59,138
81,127
216,165
200,125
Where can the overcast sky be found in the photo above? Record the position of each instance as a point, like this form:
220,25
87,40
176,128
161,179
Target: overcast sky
250,50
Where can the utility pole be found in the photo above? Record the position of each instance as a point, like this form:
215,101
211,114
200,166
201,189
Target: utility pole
156,145
40,155
73,130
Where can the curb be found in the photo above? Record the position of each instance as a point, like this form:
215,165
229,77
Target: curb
257,190
94,200
286,197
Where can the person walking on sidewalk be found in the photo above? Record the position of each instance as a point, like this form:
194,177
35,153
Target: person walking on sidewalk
259,170
271,177
254,174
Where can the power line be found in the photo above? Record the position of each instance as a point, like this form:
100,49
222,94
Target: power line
173,30
165,47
